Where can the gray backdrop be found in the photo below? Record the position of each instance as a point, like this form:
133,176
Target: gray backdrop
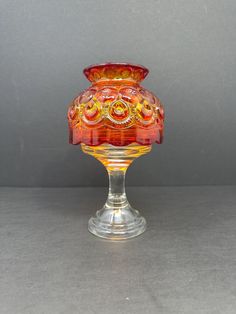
189,47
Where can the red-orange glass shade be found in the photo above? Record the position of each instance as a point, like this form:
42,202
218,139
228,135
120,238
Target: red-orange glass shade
115,109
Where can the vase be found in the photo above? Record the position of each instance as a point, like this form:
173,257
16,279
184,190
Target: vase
116,120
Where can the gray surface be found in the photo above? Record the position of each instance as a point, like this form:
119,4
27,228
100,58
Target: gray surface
184,263
189,47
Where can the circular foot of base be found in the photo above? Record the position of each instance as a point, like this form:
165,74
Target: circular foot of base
117,231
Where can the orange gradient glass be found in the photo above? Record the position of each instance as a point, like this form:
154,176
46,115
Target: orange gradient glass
116,109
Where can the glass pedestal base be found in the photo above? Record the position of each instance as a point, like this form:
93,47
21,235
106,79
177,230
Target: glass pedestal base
117,220
117,223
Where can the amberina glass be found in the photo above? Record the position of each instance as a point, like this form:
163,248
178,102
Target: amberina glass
116,120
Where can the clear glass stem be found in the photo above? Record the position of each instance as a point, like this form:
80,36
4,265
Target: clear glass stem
116,195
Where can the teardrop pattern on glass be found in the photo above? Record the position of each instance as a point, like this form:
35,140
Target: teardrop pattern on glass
91,112
119,112
144,113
